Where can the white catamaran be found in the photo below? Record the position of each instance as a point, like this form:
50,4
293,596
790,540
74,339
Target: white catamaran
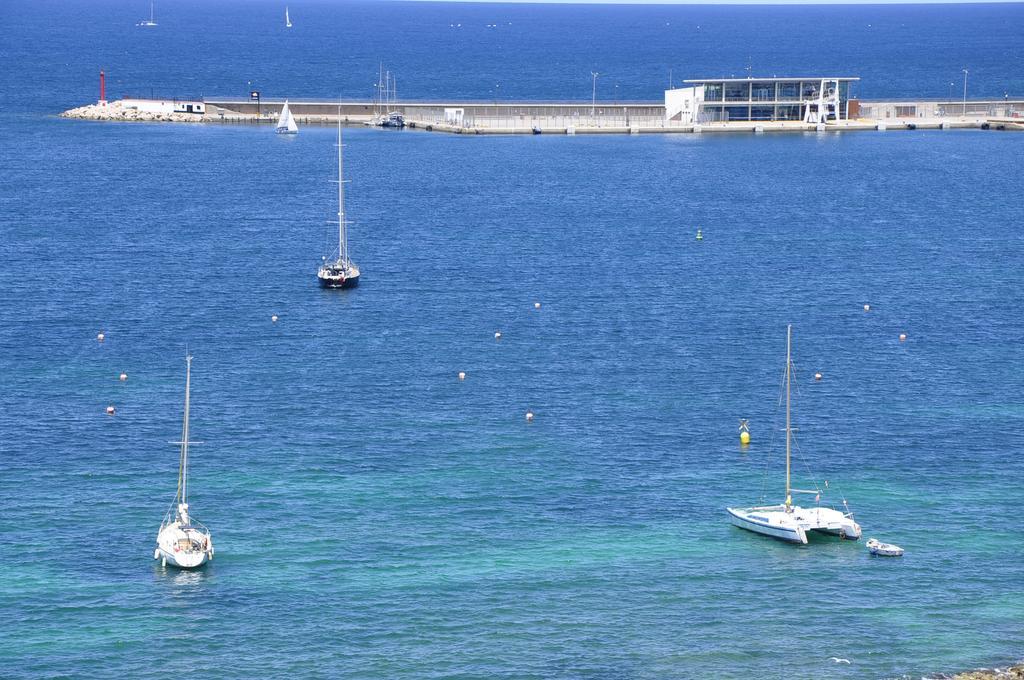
182,541
342,272
787,521
286,123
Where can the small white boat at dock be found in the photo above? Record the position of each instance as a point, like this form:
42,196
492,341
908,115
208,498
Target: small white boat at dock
876,547
790,522
182,541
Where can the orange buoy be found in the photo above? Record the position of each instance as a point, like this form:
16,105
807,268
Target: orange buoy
111,411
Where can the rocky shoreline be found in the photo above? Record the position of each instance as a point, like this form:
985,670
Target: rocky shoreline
118,111
1012,673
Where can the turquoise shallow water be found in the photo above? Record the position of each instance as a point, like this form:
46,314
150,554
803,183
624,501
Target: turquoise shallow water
376,517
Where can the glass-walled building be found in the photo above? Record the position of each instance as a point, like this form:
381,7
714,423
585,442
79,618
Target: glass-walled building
810,100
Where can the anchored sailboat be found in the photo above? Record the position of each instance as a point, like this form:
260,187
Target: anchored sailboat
386,101
787,521
182,541
148,22
342,272
287,19
286,123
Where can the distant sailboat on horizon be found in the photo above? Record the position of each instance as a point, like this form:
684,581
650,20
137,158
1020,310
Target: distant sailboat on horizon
286,123
287,19
148,22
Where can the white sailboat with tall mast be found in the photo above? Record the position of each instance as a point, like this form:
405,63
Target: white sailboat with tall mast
341,272
287,19
787,521
182,541
151,21
286,123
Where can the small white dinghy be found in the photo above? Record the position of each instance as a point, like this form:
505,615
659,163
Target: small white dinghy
182,541
876,547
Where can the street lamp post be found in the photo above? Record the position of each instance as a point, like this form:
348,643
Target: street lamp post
965,93
593,93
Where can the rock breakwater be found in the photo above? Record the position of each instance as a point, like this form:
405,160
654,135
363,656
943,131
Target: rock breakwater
118,111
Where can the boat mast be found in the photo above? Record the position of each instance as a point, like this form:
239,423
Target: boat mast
183,465
789,334
342,237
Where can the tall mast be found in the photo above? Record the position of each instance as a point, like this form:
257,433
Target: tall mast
789,335
342,240
183,471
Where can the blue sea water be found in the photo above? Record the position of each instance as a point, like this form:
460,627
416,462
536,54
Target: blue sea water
376,517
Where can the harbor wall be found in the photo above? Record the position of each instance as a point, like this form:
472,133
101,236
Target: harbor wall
476,117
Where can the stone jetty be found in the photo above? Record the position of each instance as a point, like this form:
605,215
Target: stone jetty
117,110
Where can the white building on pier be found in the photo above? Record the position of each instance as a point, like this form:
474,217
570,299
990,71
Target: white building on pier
807,100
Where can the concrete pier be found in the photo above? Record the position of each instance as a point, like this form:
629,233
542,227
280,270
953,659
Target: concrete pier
539,117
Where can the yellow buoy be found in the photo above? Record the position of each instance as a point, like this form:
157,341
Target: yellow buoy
867,308
110,410
817,376
903,337
462,375
274,318
529,416
497,335
100,337
744,431
744,438
123,377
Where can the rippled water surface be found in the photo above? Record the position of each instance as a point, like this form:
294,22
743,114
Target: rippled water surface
376,517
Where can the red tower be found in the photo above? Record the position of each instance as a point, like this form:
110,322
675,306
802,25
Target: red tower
103,88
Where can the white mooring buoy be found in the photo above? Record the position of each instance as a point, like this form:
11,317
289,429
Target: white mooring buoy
497,335
536,305
462,375
867,308
817,376
903,337
111,411
529,416
100,337
123,377
274,318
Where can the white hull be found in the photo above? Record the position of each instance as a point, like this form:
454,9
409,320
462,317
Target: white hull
185,547
184,561
795,524
884,549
